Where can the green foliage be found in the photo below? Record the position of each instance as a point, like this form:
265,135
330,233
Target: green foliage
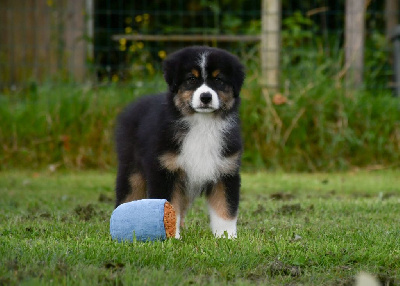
67,126
378,70
296,30
319,126
303,229
314,124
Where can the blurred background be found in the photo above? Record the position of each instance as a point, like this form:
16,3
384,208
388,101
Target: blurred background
320,92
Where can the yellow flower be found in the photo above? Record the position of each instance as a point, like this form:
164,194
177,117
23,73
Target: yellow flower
50,3
139,18
150,68
146,17
140,45
132,49
114,78
128,30
122,41
162,54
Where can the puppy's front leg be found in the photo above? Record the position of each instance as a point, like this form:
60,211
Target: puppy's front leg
221,224
180,202
223,201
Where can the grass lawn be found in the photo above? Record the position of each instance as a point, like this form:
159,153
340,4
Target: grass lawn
294,229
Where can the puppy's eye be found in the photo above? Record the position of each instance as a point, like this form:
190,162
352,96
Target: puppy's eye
191,80
219,81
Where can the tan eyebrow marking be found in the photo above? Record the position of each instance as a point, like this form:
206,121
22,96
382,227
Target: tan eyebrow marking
195,73
215,73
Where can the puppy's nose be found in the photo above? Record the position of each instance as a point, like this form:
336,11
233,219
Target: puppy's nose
206,97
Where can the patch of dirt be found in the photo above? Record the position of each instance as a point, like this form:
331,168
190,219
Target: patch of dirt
35,216
387,280
277,267
114,266
282,196
289,209
103,198
45,215
35,230
85,212
62,267
344,282
260,210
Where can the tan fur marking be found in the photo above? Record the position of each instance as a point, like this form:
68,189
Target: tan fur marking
182,101
217,201
227,99
231,164
169,161
138,186
215,73
180,201
195,73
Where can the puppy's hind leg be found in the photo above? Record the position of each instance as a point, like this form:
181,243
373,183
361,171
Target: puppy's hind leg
130,186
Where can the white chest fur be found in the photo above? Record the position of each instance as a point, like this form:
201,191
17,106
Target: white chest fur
201,149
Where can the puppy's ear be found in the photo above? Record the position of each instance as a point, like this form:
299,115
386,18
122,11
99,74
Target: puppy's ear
170,71
239,76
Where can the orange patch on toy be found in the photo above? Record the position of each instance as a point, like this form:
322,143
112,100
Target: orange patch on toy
169,220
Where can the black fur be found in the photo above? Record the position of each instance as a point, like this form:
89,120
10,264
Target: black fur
152,127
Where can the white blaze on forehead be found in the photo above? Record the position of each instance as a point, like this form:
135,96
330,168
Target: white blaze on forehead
203,63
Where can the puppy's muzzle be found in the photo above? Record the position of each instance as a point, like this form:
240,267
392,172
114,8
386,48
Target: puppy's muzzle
206,97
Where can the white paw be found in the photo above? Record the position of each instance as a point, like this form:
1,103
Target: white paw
222,227
178,225
226,234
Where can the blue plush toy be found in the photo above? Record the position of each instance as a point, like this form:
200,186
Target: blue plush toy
144,220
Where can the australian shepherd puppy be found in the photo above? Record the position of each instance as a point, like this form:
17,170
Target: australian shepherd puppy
186,142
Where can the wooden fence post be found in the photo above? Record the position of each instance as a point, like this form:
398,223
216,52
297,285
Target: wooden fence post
75,42
270,44
354,42
90,29
41,40
391,16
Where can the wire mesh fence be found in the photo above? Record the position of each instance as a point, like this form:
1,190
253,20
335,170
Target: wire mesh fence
126,41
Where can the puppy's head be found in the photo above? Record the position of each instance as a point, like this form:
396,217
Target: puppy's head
203,79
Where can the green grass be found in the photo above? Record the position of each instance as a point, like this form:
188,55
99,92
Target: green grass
297,229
